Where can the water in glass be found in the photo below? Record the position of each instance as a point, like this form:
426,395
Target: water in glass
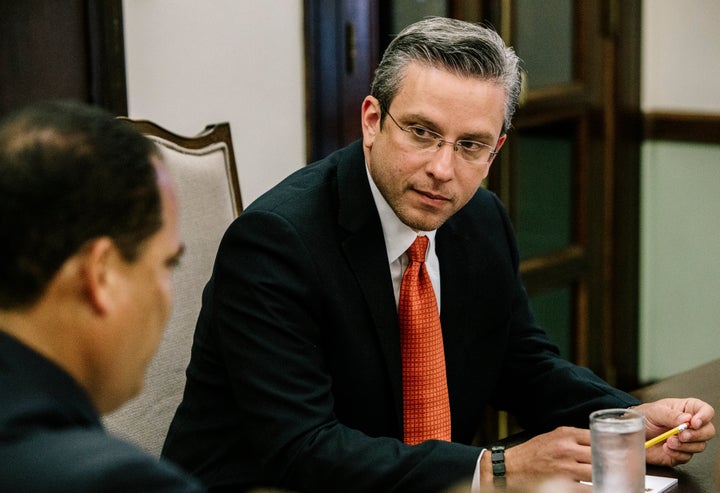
617,440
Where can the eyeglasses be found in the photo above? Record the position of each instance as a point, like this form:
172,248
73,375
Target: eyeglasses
427,140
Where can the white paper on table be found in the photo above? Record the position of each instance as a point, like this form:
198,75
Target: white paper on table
653,484
656,484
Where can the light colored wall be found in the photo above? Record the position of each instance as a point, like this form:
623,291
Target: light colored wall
680,43
193,62
680,258
680,202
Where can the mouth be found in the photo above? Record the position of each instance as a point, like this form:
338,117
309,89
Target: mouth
432,197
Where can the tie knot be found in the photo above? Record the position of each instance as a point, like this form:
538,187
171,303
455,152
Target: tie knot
417,250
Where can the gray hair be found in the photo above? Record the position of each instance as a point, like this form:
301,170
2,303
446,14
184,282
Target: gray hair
462,48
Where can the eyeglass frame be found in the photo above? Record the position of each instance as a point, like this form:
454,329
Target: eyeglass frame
441,141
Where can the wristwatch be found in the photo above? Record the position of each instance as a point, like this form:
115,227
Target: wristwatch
498,460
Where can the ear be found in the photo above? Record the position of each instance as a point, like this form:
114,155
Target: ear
370,120
100,273
499,145
500,142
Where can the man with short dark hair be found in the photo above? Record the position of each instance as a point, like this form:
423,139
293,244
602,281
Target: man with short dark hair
88,244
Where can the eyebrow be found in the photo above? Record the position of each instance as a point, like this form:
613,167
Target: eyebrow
174,259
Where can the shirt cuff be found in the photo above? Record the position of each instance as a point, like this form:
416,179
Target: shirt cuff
475,486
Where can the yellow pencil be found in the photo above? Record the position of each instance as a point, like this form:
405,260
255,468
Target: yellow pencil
666,435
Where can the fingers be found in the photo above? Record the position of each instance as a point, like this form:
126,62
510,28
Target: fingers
680,448
679,452
701,428
694,447
668,413
701,412
701,434
564,451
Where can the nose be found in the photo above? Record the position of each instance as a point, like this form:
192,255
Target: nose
441,165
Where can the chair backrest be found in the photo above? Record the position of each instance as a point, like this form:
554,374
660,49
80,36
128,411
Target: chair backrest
205,178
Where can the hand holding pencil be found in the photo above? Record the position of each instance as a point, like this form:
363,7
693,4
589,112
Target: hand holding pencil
664,436
689,418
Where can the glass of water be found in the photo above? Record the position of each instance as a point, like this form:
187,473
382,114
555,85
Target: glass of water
617,442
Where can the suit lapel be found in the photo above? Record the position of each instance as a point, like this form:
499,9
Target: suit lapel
455,253
459,317
364,248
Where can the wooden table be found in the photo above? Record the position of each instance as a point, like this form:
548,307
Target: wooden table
703,382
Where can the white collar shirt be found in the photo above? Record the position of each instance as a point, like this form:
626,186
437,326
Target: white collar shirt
398,238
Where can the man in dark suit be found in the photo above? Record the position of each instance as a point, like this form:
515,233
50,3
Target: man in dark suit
88,243
296,377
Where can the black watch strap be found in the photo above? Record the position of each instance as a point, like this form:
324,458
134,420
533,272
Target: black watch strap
498,460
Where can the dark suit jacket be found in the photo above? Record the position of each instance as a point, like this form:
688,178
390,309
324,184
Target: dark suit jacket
51,438
295,377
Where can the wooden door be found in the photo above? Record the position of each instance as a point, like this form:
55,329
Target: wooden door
63,49
570,174
341,53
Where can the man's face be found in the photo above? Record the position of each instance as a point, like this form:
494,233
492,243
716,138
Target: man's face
145,303
425,188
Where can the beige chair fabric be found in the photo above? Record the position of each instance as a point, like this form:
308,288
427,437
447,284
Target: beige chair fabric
204,174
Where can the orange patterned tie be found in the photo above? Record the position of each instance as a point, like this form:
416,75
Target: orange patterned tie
426,406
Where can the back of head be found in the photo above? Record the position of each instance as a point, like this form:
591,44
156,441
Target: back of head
459,47
69,173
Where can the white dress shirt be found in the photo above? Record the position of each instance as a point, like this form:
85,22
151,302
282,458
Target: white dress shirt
398,238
